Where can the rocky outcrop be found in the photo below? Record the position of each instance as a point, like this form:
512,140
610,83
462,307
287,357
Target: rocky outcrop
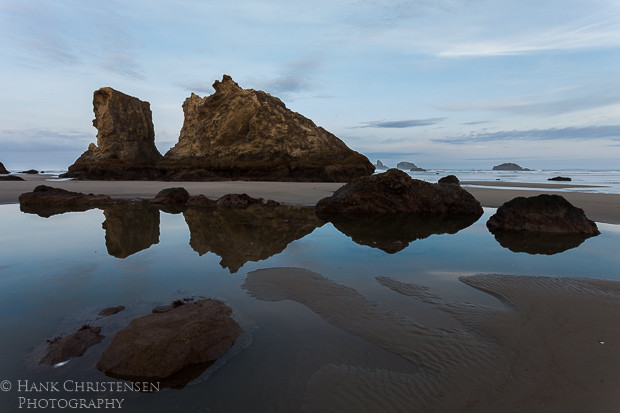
396,192
541,214
254,233
560,178
450,179
106,312
380,166
171,196
3,170
247,134
163,346
509,166
130,227
11,178
125,140
46,201
408,166
62,349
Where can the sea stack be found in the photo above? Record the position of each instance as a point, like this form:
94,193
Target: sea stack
125,140
247,134
3,170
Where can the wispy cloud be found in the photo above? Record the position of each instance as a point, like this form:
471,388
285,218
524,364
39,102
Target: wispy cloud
610,132
295,76
44,140
400,124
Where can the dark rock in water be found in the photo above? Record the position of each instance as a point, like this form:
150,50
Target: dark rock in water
237,201
46,201
130,227
163,346
171,196
380,165
125,147
396,192
509,166
450,179
106,312
255,233
393,232
3,170
539,243
11,178
30,172
74,345
560,178
247,134
542,214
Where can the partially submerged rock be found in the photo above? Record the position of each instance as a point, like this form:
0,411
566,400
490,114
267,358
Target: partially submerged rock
509,166
541,214
161,346
396,192
247,134
62,349
46,201
125,140
106,312
560,178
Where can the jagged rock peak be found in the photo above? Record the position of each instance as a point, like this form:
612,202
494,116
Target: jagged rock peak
227,84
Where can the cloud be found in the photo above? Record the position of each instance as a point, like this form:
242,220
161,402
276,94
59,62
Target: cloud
198,87
610,132
295,76
400,124
44,140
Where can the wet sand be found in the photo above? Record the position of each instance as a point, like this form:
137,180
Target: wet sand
552,348
597,206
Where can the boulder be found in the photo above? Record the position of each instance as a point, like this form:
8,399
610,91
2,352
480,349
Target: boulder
62,349
396,192
450,179
3,170
171,196
161,346
246,134
106,312
11,178
560,178
541,214
509,166
46,201
125,140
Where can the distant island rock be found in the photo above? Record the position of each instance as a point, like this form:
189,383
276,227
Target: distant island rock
125,140
380,165
3,170
408,166
29,172
396,192
560,178
248,134
509,166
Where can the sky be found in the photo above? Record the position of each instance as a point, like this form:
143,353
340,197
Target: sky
452,84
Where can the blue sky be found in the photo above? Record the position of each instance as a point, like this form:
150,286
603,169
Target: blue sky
441,83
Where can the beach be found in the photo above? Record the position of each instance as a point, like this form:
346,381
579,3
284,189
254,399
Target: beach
599,207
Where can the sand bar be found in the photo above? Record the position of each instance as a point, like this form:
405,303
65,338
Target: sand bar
597,206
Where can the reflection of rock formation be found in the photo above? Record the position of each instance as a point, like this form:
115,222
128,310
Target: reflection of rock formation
254,233
539,243
393,232
130,227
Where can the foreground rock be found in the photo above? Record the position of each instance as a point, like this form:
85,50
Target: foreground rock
74,345
396,192
450,179
171,196
542,214
509,166
46,201
3,170
106,312
11,178
125,140
164,346
247,134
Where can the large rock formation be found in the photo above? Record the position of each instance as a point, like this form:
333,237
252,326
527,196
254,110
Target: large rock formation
247,134
541,214
396,192
3,170
163,345
509,166
125,140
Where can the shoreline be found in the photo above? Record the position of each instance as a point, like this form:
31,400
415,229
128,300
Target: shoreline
599,207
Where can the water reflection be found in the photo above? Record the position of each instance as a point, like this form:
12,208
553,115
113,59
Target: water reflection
535,243
254,233
46,211
130,227
393,233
